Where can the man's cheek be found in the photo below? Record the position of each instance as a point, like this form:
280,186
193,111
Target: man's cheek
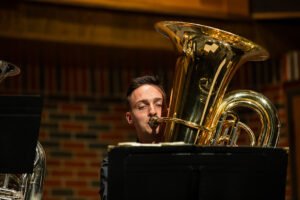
159,114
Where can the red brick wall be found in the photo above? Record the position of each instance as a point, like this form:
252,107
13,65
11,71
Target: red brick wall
75,135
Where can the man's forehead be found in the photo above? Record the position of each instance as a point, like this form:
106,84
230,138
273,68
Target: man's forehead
146,92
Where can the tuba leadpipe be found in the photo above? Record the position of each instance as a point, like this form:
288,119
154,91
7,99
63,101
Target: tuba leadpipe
200,112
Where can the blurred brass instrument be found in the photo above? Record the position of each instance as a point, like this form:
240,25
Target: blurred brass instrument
8,70
199,110
22,186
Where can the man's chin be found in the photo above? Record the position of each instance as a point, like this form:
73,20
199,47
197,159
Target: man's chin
157,137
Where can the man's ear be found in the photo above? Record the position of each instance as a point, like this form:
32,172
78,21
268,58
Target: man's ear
128,117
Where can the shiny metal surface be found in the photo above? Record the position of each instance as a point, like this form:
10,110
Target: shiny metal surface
25,186
7,70
34,190
207,60
266,111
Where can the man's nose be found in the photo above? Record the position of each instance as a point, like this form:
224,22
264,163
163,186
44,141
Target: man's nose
152,110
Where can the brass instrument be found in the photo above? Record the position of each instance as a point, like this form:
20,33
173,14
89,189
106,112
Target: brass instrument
7,70
25,186
22,186
199,110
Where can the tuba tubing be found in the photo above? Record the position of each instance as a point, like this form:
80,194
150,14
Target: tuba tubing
28,186
34,190
267,113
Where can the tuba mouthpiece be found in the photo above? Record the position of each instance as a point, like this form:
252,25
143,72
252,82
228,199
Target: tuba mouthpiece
154,122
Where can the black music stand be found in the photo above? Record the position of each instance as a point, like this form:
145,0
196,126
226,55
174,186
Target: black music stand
190,172
20,117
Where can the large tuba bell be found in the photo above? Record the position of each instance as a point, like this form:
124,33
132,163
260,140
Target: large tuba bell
22,186
199,110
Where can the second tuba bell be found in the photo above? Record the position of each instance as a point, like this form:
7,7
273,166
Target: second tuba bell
200,111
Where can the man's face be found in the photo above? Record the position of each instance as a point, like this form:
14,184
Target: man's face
145,101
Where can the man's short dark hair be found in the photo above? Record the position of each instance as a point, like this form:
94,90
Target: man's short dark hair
145,80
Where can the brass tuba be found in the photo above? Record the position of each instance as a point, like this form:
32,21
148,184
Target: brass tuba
25,186
199,110
22,186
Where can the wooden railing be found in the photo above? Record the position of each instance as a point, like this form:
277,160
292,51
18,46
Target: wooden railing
203,8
